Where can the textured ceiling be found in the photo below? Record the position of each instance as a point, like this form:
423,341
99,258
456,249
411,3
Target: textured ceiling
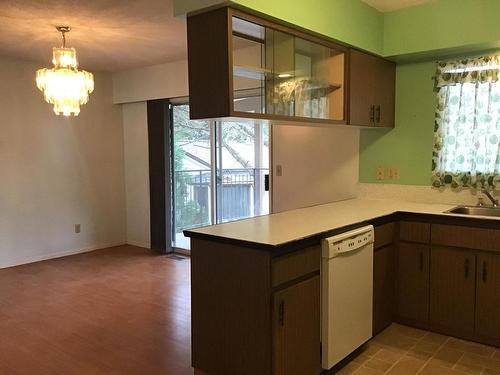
390,5
109,35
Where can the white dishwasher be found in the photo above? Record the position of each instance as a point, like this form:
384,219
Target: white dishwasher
346,293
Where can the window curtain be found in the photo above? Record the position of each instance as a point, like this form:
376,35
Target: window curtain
467,124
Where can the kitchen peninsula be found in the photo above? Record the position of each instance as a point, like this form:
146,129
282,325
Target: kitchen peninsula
256,282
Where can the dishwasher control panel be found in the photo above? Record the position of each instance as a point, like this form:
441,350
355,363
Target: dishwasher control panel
343,243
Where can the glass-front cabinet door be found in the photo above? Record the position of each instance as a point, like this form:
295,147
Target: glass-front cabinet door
287,74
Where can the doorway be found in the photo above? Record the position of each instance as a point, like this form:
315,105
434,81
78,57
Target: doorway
220,171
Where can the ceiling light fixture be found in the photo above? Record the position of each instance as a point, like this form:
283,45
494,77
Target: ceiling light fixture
64,85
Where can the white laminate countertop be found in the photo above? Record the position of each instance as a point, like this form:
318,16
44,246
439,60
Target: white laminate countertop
290,226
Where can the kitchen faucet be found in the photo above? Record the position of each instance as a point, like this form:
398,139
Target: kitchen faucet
490,197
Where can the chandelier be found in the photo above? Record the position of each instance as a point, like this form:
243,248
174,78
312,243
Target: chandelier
64,86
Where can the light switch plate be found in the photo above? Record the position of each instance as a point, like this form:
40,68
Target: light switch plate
78,228
279,170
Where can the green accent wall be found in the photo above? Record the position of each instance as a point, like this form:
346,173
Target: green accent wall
409,145
350,21
441,25
426,32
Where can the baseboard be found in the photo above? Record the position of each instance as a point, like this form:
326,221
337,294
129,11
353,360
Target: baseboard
146,245
59,254
178,250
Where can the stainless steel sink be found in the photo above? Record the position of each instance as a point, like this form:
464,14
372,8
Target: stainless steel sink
476,210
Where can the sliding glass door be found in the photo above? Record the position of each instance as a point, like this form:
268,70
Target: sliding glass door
192,174
219,174
242,154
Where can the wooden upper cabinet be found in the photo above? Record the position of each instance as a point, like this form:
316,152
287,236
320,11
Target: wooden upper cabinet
362,88
241,65
210,82
371,90
385,93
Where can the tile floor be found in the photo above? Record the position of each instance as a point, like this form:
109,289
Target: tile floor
401,350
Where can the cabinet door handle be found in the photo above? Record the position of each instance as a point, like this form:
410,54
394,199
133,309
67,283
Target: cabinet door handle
421,262
372,113
485,272
377,114
281,313
466,268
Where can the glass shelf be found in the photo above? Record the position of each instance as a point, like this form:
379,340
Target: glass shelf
291,76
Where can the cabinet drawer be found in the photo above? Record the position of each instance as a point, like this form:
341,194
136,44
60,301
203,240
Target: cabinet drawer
292,266
467,237
384,235
414,231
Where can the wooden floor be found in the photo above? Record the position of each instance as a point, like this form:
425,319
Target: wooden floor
124,311
117,311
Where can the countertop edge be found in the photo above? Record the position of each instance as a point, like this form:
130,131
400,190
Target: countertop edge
315,238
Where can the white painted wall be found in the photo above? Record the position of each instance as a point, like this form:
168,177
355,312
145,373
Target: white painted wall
319,165
162,81
135,140
56,172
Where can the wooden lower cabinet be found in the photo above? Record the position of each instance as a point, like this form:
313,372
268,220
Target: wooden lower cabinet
383,287
413,284
488,298
296,333
452,291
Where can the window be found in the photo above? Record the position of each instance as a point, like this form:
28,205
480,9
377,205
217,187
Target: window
467,124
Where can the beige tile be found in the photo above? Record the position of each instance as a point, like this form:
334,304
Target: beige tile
488,371
477,360
391,356
469,347
447,357
392,339
367,371
378,364
371,348
468,369
361,358
425,346
414,333
406,366
434,338
419,354
435,369
348,369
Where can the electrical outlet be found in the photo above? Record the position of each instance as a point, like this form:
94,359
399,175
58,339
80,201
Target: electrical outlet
78,228
380,173
279,170
396,173
388,173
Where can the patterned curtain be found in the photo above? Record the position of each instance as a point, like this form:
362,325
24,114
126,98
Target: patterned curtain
467,124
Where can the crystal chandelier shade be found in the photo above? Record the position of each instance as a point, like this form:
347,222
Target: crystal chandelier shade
64,86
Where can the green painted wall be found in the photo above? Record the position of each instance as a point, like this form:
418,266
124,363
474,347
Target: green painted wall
350,21
443,24
425,32
409,145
